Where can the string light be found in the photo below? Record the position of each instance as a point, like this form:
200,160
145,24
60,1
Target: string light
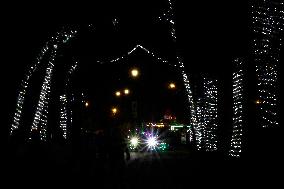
41,112
200,127
42,108
63,115
137,47
118,93
267,22
211,114
238,103
169,17
67,112
40,118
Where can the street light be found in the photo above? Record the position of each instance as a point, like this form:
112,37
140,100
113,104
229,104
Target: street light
118,93
87,104
172,85
134,72
126,91
114,111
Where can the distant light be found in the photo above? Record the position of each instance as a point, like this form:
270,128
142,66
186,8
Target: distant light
172,85
152,142
134,72
87,104
134,141
126,91
114,110
258,102
117,93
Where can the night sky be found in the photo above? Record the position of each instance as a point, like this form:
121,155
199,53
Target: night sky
209,35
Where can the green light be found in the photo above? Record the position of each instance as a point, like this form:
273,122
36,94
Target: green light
163,146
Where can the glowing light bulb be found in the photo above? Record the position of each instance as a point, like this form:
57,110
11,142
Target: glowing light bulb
87,104
126,91
114,110
118,93
172,85
135,72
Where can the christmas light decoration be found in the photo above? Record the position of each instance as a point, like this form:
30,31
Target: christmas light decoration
163,146
135,72
67,99
49,53
63,115
41,112
168,16
200,127
152,142
207,117
238,105
155,125
268,27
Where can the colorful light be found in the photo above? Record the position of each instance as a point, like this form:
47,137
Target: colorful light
207,117
152,142
42,108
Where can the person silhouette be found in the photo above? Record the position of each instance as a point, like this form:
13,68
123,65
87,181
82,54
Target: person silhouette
118,154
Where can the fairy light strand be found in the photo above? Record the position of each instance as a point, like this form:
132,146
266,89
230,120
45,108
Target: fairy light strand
63,115
170,18
238,105
61,37
267,26
211,114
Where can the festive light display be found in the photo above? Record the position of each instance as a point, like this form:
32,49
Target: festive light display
200,127
152,142
135,72
268,27
41,112
207,114
163,146
238,103
155,125
42,108
49,53
169,17
211,122
69,99
63,115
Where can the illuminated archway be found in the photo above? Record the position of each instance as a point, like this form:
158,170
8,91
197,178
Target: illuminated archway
46,60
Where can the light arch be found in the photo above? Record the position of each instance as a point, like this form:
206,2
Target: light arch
50,50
